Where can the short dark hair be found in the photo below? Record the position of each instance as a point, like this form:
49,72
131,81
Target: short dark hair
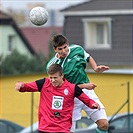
54,68
59,40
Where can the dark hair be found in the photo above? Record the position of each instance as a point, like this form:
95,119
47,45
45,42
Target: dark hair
54,68
59,40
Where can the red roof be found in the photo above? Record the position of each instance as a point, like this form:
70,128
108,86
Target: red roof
39,37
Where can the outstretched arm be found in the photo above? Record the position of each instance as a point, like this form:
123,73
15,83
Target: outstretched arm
26,87
97,69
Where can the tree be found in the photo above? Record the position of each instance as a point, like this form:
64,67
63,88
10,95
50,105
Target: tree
17,63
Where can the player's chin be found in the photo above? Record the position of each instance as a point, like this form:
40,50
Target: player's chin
64,55
54,84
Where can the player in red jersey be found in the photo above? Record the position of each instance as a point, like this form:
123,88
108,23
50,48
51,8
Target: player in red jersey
56,100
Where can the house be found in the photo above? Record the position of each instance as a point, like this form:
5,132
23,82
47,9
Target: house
27,40
11,37
39,37
103,28
116,49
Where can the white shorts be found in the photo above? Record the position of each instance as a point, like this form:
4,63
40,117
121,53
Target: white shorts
94,114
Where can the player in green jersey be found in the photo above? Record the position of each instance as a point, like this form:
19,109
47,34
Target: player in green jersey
73,59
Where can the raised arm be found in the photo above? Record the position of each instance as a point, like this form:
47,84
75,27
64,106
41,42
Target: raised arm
97,69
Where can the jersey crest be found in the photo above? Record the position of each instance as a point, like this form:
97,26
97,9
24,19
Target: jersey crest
66,91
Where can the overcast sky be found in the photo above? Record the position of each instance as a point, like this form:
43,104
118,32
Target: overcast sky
51,4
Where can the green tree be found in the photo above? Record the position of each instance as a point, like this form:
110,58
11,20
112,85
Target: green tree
17,63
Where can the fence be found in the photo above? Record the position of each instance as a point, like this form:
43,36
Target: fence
114,90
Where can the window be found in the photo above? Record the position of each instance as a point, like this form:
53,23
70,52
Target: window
97,32
11,41
100,33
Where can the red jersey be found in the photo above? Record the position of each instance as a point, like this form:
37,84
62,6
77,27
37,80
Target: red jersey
56,104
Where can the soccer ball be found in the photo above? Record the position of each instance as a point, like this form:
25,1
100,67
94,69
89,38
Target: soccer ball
38,16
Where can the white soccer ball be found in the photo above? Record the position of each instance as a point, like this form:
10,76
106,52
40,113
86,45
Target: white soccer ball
38,16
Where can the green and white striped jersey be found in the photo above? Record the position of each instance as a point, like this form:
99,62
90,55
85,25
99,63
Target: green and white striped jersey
73,65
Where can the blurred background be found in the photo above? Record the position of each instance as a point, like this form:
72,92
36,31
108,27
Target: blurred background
102,27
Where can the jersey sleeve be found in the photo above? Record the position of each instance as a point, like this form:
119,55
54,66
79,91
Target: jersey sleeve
33,86
83,97
86,56
40,83
78,91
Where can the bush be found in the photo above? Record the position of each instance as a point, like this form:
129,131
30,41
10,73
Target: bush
17,63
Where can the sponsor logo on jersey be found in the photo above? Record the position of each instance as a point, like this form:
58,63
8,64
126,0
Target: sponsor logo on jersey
68,60
77,57
48,90
57,102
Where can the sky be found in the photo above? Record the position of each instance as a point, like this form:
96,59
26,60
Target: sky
50,4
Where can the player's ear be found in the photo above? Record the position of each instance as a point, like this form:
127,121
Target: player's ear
54,49
62,75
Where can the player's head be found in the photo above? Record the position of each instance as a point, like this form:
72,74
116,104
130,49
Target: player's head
60,45
56,75
59,40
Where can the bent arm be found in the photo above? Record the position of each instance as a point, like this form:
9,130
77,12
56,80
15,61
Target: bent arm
95,67
88,86
85,99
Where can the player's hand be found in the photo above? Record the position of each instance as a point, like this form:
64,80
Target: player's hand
96,106
90,86
101,68
19,85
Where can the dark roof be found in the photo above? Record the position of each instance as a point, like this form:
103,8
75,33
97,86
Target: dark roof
5,19
100,5
4,15
39,37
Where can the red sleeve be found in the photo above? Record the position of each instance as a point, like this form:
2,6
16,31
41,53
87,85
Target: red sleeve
29,87
86,100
